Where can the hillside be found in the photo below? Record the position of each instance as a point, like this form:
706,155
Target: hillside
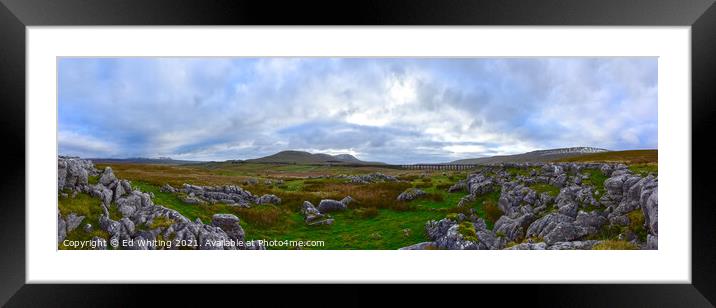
534,156
301,157
144,160
630,157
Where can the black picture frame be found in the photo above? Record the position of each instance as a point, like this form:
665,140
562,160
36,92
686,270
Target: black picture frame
16,15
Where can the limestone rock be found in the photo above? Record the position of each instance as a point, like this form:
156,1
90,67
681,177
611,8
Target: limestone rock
107,177
347,200
73,221
420,246
410,194
229,223
328,205
269,199
61,229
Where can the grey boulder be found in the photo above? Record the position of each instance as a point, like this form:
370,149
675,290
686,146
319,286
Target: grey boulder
269,199
107,177
329,205
419,246
410,194
73,221
229,223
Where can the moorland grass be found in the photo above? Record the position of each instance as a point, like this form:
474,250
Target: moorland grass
645,169
545,188
374,210
636,224
485,207
614,245
83,205
467,230
374,220
629,157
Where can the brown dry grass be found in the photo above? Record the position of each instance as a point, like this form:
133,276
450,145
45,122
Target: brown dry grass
374,195
226,173
630,157
264,216
173,175
492,212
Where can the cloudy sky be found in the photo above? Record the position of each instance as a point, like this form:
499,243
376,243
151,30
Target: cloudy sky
392,110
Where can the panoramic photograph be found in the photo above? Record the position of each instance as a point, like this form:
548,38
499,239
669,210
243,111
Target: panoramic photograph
331,153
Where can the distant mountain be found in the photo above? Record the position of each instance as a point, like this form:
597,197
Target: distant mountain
534,156
347,158
145,160
300,157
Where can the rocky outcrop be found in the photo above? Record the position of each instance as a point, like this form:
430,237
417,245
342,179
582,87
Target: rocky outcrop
313,216
168,189
581,211
651,217
229,194
556,227
73,221
459,186
347,200
229,223
107,178
142,223
61,228
102,192
513,228
73,173
575,245
420,246
462,234
369,178
268,199
329,205
528,246
479,184
410,194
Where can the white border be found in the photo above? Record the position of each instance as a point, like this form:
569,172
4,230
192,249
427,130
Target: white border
670,264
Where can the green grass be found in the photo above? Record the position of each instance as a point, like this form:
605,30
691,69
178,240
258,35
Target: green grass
437,197
645,169
93,179
588,208
486,208
545,188
369,212
607,231
467,230
191,211
596,179
295,185
355,228
82,205
514,171
614,245
161,222
350,231
636,224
